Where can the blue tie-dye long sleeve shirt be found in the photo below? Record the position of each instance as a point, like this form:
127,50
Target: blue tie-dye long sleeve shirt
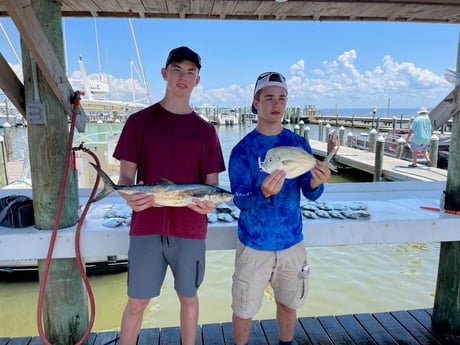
273,223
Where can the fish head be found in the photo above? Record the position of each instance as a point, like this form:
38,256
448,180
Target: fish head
273,161
293,160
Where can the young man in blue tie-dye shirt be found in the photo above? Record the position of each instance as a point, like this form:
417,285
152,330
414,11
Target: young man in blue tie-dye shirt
270,246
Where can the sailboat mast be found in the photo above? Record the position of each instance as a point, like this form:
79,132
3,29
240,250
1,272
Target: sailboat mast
149,99
10,44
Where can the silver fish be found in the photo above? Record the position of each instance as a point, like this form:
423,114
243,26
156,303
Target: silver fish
166,193
295,161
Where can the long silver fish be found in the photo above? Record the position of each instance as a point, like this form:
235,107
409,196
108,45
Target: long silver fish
166,193
295,161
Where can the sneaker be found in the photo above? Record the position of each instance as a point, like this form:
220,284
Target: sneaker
413,165
429,164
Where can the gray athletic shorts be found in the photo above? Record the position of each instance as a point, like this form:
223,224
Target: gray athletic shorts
150,255
287,271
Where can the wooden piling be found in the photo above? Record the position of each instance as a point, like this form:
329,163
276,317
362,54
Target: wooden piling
446,309
434,148
378,165
65,311
8,142
3,170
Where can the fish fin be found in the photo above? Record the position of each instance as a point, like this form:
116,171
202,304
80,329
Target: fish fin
332,167
331,154
109,185
329,157
166,181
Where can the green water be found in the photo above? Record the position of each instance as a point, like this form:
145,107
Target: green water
351,279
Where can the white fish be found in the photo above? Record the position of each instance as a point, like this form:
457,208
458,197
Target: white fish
295,161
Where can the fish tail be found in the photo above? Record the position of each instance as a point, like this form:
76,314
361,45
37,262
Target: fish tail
109,185
332,167
329,157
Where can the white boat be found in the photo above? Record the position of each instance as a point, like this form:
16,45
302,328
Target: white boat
10,115
96,106
227,117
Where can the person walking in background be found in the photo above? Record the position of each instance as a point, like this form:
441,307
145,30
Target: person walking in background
167,140
419,137
270,244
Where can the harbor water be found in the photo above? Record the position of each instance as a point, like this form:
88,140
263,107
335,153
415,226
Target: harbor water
343,280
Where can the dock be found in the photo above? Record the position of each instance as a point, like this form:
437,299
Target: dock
393,169
412,327
365,122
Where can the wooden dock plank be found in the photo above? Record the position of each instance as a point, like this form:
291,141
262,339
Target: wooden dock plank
256,334
227,330
212,334
270,329
300,336
394,328
105,338
315,331
335,330
149,336
424,317
415,328
169,336
356,331
375,329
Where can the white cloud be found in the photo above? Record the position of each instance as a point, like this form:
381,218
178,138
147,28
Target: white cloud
337,82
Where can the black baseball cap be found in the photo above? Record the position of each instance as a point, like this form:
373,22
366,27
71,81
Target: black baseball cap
183,53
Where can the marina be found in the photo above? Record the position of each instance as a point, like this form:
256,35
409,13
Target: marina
215,292
405,211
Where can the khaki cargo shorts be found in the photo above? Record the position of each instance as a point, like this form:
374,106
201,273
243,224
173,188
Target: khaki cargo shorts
287,271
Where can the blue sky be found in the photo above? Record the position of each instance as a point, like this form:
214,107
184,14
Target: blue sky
328,64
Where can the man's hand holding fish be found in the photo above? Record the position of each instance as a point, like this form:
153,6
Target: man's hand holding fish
139,201
319,174
273,183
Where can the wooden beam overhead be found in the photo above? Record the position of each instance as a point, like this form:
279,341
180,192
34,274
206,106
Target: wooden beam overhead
12,86
36,41
420,11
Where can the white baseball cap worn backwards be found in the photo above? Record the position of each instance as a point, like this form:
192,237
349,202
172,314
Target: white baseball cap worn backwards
269,79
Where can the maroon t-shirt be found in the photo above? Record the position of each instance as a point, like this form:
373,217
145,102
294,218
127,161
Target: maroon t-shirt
180,148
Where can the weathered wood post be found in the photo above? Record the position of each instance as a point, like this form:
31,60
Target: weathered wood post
434,148
3,170
65,305
378,163
446,309
8,142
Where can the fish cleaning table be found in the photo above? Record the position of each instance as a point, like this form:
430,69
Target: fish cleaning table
394,208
